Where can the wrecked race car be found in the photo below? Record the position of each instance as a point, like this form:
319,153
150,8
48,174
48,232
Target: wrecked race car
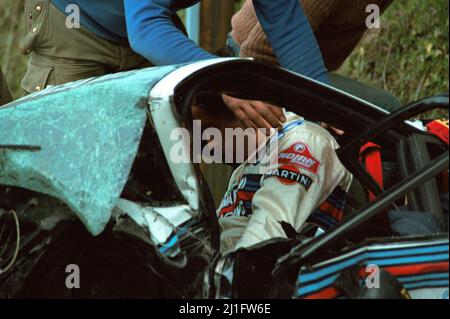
86,179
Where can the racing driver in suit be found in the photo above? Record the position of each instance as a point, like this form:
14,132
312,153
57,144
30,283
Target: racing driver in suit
302,182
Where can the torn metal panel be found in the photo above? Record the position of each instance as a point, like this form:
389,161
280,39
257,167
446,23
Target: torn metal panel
160,222
223,279
86,136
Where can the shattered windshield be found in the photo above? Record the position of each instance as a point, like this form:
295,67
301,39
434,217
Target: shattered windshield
78,142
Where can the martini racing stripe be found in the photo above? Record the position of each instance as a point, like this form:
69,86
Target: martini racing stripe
238,201
427,284
337,201
328,293
415,267
323,219
331,212
379,251
332,293
429,271
419,268
381,261
412,282
419,278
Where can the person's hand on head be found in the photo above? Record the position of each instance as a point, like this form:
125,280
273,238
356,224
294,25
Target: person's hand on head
255,114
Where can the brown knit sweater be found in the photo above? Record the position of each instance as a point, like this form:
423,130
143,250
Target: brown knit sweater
337,24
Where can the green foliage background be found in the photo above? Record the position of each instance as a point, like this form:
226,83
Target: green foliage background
12,25
408,56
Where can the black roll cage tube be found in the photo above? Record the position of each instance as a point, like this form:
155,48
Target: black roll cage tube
395,119
303,253
300,254
398,117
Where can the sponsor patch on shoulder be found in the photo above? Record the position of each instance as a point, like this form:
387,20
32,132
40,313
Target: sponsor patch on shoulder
300,155
290,175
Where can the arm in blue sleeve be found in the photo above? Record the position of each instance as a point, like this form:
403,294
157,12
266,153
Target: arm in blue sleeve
291,37
153,35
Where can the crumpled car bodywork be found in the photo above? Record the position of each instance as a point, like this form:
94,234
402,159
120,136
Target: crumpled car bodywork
77,149
89,151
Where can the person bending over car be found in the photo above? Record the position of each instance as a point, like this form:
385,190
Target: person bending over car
306,183
120,35
338,27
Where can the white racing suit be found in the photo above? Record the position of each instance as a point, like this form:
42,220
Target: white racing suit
307,184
